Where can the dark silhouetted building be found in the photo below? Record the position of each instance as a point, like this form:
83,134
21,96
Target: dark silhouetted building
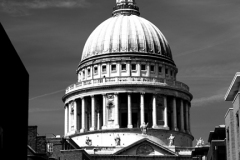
14,104
217,149
52,148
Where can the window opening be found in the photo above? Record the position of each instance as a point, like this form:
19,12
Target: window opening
143,67
104,68
113,67
95,70
152,68
134,67
124,67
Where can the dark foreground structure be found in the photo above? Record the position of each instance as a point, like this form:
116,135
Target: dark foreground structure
15,101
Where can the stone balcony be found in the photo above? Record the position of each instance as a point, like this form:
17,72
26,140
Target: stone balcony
109,81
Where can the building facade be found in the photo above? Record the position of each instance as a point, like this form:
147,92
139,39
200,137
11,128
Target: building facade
127,95
232,119
52,148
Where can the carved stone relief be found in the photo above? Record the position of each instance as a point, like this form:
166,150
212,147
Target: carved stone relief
110,106
144,149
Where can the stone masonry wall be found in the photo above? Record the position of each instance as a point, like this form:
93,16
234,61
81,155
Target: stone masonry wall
41,144
32,135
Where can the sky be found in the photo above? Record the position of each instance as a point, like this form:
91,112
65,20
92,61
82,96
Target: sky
49,36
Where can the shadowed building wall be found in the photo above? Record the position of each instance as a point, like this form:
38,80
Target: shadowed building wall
14,104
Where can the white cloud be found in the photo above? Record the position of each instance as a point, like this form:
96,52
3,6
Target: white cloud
47,94
203,101
207,100
22,7
37,110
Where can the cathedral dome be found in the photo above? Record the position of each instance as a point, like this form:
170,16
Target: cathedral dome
129,33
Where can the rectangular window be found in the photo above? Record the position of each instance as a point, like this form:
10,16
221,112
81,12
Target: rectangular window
124,67
95,70
104,68
160,69
143,67
89,72
134,68
166,71
50,147
171,73
113,67
152,68
83,74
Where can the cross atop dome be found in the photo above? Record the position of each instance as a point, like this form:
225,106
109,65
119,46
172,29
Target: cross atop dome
125,7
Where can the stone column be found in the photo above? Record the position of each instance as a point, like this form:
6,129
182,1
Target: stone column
69,117
189,119
174,116
165,112
65,120
154,111
75,115
186,117
116,117
83,115
142,108
129,111
93,113
139,69
129,68
182,116
98,120
104,111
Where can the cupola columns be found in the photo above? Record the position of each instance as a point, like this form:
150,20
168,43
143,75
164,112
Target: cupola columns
125,7
120,2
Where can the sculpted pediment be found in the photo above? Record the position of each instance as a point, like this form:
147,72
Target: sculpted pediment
145,147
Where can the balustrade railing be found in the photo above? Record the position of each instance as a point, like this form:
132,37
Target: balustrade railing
127,80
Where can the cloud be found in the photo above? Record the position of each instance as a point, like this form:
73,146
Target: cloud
211,45
47,94
207,100
203,101
16,7
37,110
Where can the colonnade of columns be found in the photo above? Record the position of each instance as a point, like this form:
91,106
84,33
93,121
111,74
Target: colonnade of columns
174,114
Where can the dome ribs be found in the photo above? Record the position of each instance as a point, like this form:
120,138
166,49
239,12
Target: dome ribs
133,36
115,34
125,34
94,48
140,36
149,36
161,40
108,36
103,36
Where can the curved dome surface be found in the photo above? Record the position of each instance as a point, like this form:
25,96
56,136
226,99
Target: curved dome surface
123,33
